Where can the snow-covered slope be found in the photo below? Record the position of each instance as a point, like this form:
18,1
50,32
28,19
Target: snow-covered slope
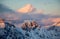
10,32
44,32
33,32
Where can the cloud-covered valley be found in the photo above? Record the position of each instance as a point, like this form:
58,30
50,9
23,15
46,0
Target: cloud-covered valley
17,17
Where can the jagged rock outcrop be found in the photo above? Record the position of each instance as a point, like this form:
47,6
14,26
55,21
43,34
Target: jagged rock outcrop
28,25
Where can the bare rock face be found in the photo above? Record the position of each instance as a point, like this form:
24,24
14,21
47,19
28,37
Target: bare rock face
30,25
2,25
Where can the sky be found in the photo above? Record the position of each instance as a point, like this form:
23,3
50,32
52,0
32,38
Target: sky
49,6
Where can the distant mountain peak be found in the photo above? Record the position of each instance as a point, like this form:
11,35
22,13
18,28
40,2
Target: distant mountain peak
26,9
29,8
